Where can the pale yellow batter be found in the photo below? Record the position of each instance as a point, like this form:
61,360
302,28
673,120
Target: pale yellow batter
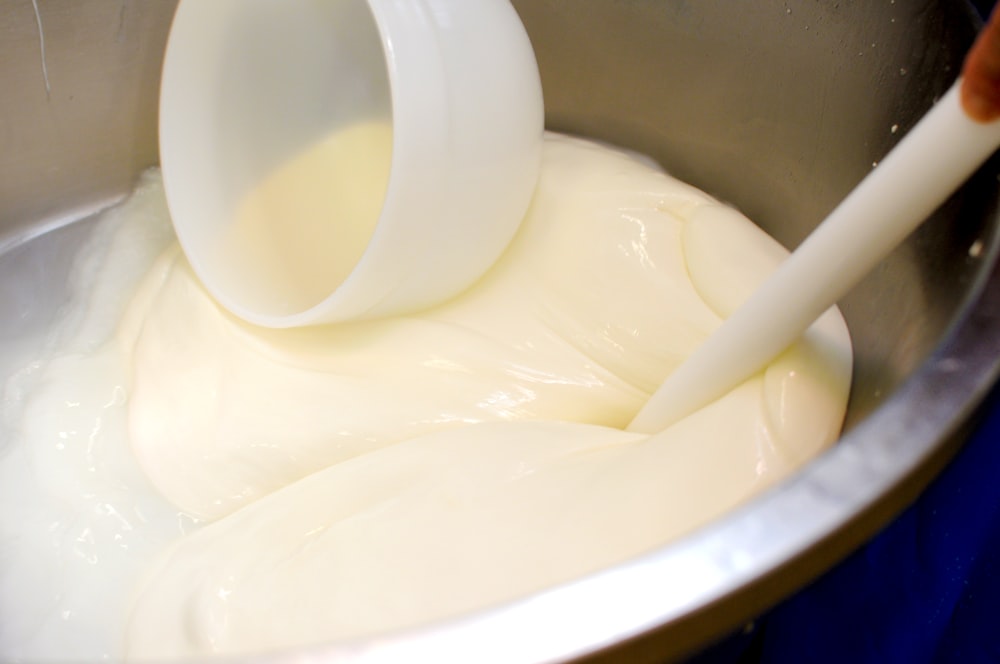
347,480
370,476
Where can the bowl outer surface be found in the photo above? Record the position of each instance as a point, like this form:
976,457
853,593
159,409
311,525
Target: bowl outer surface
779,111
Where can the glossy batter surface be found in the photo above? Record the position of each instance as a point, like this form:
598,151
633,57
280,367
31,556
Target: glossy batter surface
357,478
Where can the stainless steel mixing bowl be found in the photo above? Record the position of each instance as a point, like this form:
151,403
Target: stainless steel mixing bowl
779,107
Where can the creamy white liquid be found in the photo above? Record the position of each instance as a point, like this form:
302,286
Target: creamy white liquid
298,234
357,478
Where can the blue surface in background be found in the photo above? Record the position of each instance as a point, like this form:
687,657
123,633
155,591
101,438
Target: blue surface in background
925,589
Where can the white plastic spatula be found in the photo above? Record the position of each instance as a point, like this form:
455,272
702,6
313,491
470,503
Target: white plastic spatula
916,177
